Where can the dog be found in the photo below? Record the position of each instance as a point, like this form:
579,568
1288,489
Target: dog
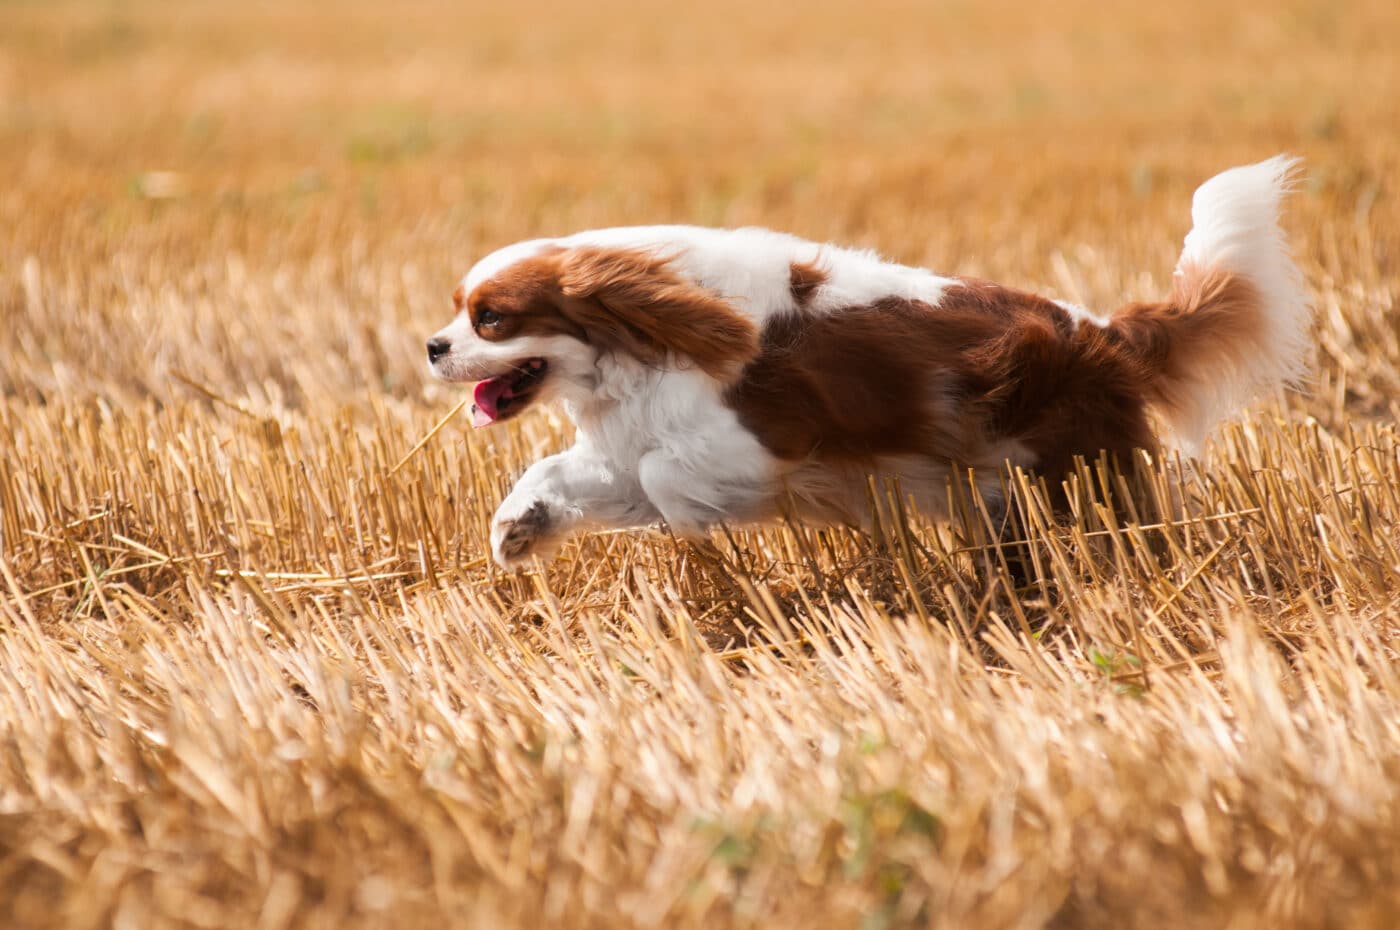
733,376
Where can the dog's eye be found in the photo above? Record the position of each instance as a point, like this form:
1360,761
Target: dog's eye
487,318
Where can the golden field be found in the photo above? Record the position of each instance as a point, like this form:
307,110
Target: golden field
253,676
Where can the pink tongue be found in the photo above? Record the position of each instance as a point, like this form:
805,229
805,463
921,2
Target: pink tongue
488,395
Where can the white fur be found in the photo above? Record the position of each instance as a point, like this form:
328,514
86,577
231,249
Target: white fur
1079,314
652,444
749,266
500,260
1235,227
659,443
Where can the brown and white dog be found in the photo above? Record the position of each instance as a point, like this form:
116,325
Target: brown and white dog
722,375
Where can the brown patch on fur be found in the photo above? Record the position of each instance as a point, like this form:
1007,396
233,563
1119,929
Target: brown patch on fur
1211,319
632,301
618,300
803,280
526,299
849,386
1060,389
987,366
459,298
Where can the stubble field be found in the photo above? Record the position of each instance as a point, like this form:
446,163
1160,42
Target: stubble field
251,675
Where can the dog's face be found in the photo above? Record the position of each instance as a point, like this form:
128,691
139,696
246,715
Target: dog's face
513,335
535,318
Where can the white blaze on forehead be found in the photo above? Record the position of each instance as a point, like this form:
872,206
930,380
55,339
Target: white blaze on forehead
473,358
501,259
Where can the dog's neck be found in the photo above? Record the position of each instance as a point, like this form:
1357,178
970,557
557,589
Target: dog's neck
632,400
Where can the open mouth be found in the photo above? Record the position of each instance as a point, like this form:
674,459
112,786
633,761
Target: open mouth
506,395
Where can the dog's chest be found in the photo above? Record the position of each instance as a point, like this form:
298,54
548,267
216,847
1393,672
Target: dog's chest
679,413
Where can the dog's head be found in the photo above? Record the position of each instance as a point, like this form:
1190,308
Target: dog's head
534,319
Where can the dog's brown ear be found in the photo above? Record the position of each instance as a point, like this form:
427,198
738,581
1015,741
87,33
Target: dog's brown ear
630,300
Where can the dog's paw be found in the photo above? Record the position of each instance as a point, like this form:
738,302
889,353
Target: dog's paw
515,536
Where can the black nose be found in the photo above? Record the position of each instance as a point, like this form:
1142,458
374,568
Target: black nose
438,346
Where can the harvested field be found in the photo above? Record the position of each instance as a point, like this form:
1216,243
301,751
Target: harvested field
254,675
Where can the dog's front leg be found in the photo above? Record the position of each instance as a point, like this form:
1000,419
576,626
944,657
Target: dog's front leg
557,495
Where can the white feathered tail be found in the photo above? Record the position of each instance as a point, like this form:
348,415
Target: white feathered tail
1238,321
